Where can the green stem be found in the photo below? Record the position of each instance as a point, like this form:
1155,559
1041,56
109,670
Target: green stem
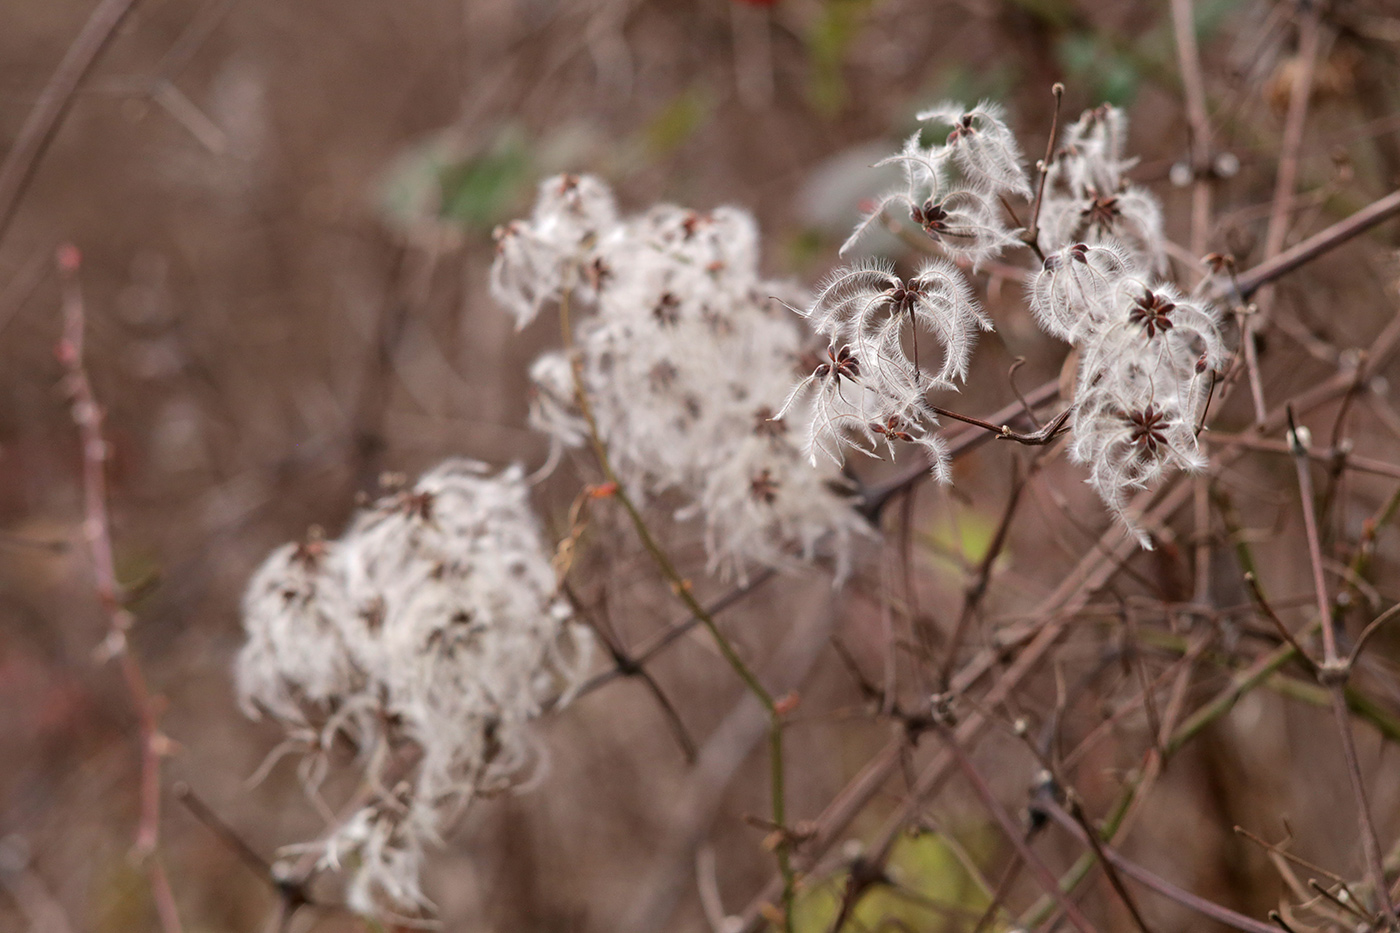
1360,567
682,588
1245,681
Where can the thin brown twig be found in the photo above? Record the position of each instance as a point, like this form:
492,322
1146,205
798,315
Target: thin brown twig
1197,119
1318,454
1274,848
1299,96
1011,831
231,840
627,666
45,117
1305,485
200,27
1157,723
1160,885
1370,844
1148,689
1258,593
291,891
1249,350
1204,542
1016,391
1371,629
1346,905
1056,776
976,587
1341,445
677,630
1132,799
1110,870
1032,234
912,616
1285,188
1270,270
23,284
1333,673
1040,438
997,902
959,442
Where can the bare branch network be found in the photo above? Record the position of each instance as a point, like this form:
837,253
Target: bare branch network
1028,668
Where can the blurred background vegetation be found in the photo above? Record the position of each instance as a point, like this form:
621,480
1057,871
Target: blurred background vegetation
285,211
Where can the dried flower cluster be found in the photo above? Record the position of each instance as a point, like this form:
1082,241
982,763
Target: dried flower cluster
1088,198
432,624
953,188
1147,353
684,358
873,389
540,260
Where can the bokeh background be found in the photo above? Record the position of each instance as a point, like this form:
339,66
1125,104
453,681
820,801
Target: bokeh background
285,212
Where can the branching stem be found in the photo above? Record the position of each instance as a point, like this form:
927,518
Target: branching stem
684,592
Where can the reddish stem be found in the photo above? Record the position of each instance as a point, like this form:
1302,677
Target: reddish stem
87,415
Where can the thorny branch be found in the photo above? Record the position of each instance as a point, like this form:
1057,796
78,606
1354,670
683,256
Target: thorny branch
87,415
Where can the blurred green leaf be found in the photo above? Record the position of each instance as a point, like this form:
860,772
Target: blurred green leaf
960,82
931,890
805,248
829,39
478,191
969,537
682,117
437,183
1212,14
120,896
1055,13
1110,75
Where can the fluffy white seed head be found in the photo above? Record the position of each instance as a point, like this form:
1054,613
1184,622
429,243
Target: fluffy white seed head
434,620
383,847
1147,353
871,388
1075,291
1128,217
982,146
297,659
1180,335
962,214
539,258
686,357
1092,152
1088,198
1147,359
1131,440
